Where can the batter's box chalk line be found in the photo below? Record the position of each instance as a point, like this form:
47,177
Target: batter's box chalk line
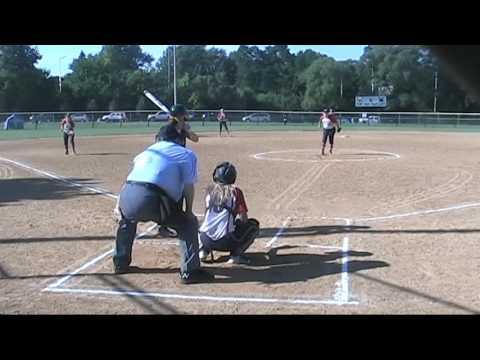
340,297
56,286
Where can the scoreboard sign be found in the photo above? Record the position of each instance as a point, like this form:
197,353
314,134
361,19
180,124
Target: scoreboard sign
370,101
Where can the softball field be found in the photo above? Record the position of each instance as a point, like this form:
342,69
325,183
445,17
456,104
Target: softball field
388,224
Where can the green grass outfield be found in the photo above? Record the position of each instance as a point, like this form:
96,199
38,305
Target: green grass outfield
49,130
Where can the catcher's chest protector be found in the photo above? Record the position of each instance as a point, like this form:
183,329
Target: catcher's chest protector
219,220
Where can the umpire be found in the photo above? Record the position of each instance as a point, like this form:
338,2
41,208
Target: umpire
152,192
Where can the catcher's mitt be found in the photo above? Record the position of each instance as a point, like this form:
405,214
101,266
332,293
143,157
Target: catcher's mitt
253,221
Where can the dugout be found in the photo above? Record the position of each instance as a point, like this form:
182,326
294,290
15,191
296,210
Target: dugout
14,121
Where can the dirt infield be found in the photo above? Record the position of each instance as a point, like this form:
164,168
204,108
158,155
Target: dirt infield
388,224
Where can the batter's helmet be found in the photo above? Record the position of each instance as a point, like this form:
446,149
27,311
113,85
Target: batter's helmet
178,109
225,173
167,133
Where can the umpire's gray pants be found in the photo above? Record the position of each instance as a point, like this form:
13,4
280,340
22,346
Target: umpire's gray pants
141,203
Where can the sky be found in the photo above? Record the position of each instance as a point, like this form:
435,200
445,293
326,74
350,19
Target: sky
57,58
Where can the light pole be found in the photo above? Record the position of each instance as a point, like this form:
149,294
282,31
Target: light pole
174,78
60,73
372,81
168,67
435,92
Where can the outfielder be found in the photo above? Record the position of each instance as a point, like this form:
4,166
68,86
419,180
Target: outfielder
226,226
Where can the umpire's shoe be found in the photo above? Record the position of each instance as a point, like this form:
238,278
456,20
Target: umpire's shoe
195,277
121,269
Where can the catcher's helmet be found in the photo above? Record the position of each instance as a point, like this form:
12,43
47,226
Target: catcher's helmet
225,173
178,109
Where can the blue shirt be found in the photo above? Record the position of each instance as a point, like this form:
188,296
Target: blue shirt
167,165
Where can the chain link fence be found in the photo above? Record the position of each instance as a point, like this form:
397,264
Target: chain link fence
99,119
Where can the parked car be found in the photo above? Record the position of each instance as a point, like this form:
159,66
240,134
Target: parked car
372,119
40,118
80,117
114,117
257,117
159,116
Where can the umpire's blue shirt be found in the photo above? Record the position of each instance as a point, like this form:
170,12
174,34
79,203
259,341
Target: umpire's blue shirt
167,165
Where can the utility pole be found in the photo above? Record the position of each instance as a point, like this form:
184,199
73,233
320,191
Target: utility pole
60,73
168,67
373,85
174,78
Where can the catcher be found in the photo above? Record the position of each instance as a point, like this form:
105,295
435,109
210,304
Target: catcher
226,226
330,125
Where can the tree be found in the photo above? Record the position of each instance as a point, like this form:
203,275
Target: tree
406,69
249,78
142,103
92,105
322,79
23,87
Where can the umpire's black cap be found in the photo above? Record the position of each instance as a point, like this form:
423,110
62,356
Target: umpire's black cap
168,133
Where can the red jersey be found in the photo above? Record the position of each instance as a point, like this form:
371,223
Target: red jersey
220,222
240,204
333,118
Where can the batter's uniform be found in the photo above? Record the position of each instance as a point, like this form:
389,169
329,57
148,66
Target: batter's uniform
153,192
219,230
182,135
180,140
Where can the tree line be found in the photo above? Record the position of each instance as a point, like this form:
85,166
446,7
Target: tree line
249,78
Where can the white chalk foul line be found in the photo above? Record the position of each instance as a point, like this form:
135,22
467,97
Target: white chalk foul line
342,293
204,298
92,262
279,232
420,212
66,181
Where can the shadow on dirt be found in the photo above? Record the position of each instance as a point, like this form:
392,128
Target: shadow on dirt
274,267
13,190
